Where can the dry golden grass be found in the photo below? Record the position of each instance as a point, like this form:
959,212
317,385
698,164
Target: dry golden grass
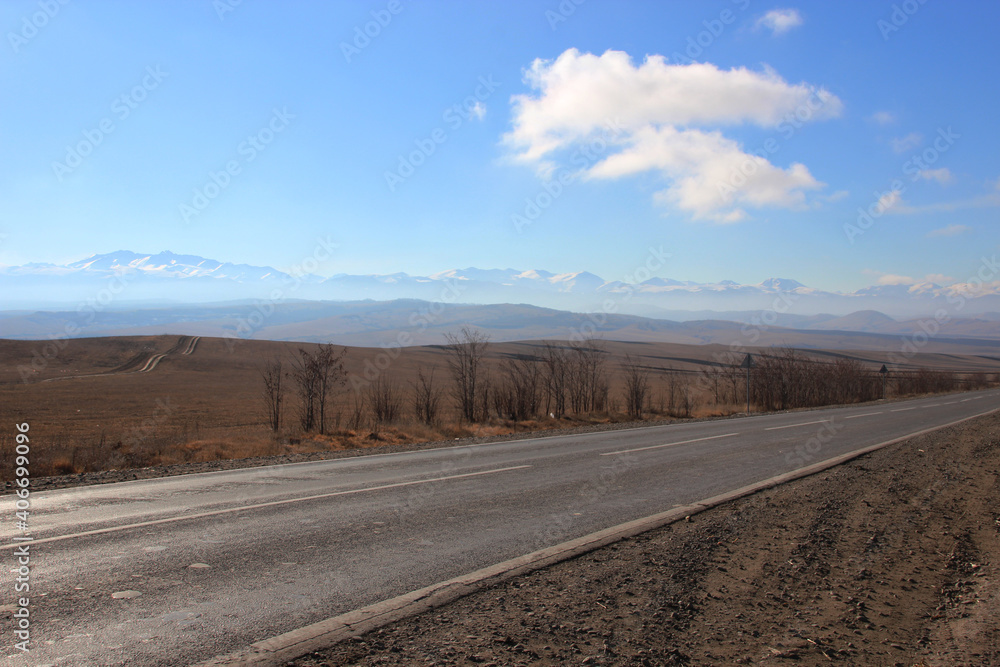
208,407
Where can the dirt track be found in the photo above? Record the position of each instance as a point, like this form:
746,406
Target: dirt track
891,559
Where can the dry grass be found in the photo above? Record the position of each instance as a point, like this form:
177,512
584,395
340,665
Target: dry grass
207,406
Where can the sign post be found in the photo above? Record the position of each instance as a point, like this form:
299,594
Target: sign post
884,372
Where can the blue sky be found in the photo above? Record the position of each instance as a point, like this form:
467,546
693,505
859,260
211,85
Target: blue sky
488,102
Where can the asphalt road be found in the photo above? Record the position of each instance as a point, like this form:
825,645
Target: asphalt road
174,571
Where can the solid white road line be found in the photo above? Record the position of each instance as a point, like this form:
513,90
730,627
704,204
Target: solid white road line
669,444
156,522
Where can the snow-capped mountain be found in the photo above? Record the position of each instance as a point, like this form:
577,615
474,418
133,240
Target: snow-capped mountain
136,277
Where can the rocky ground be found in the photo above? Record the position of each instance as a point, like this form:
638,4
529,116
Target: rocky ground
891,559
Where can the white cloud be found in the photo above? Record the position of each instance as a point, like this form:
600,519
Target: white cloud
942,176
950,230
780,21
478,110
884,117
888,201
892,279
666,119
903,144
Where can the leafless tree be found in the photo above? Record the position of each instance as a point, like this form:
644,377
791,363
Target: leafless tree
636,386
273,393
466,351
426,397
384,400
316,375
517,393
588,380
556,379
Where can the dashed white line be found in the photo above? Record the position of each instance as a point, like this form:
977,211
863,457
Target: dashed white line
902,409
669,444
950,403
867,414
173,519
776,428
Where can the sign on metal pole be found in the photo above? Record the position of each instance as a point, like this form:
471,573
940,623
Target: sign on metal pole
884,372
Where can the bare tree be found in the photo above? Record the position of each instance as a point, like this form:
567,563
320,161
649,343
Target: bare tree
557,369
517,394
315,375
273,393
466,351
426,397
588,380
384,400
636,386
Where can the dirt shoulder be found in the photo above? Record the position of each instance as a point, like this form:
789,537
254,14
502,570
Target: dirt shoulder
891,559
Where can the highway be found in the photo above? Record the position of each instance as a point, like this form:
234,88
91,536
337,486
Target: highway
177,570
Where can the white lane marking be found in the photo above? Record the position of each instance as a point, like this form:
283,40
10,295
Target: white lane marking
867,414
273,503
669,444
902,409
775,428
932,405
950,403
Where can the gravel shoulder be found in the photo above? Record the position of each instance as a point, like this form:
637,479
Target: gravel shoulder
890,559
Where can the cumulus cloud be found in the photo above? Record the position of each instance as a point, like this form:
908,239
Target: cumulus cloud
666,118
950,230
903,144
780,21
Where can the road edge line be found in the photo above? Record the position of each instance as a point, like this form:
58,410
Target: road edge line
283,648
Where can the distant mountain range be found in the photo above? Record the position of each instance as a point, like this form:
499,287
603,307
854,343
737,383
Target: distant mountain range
126,279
